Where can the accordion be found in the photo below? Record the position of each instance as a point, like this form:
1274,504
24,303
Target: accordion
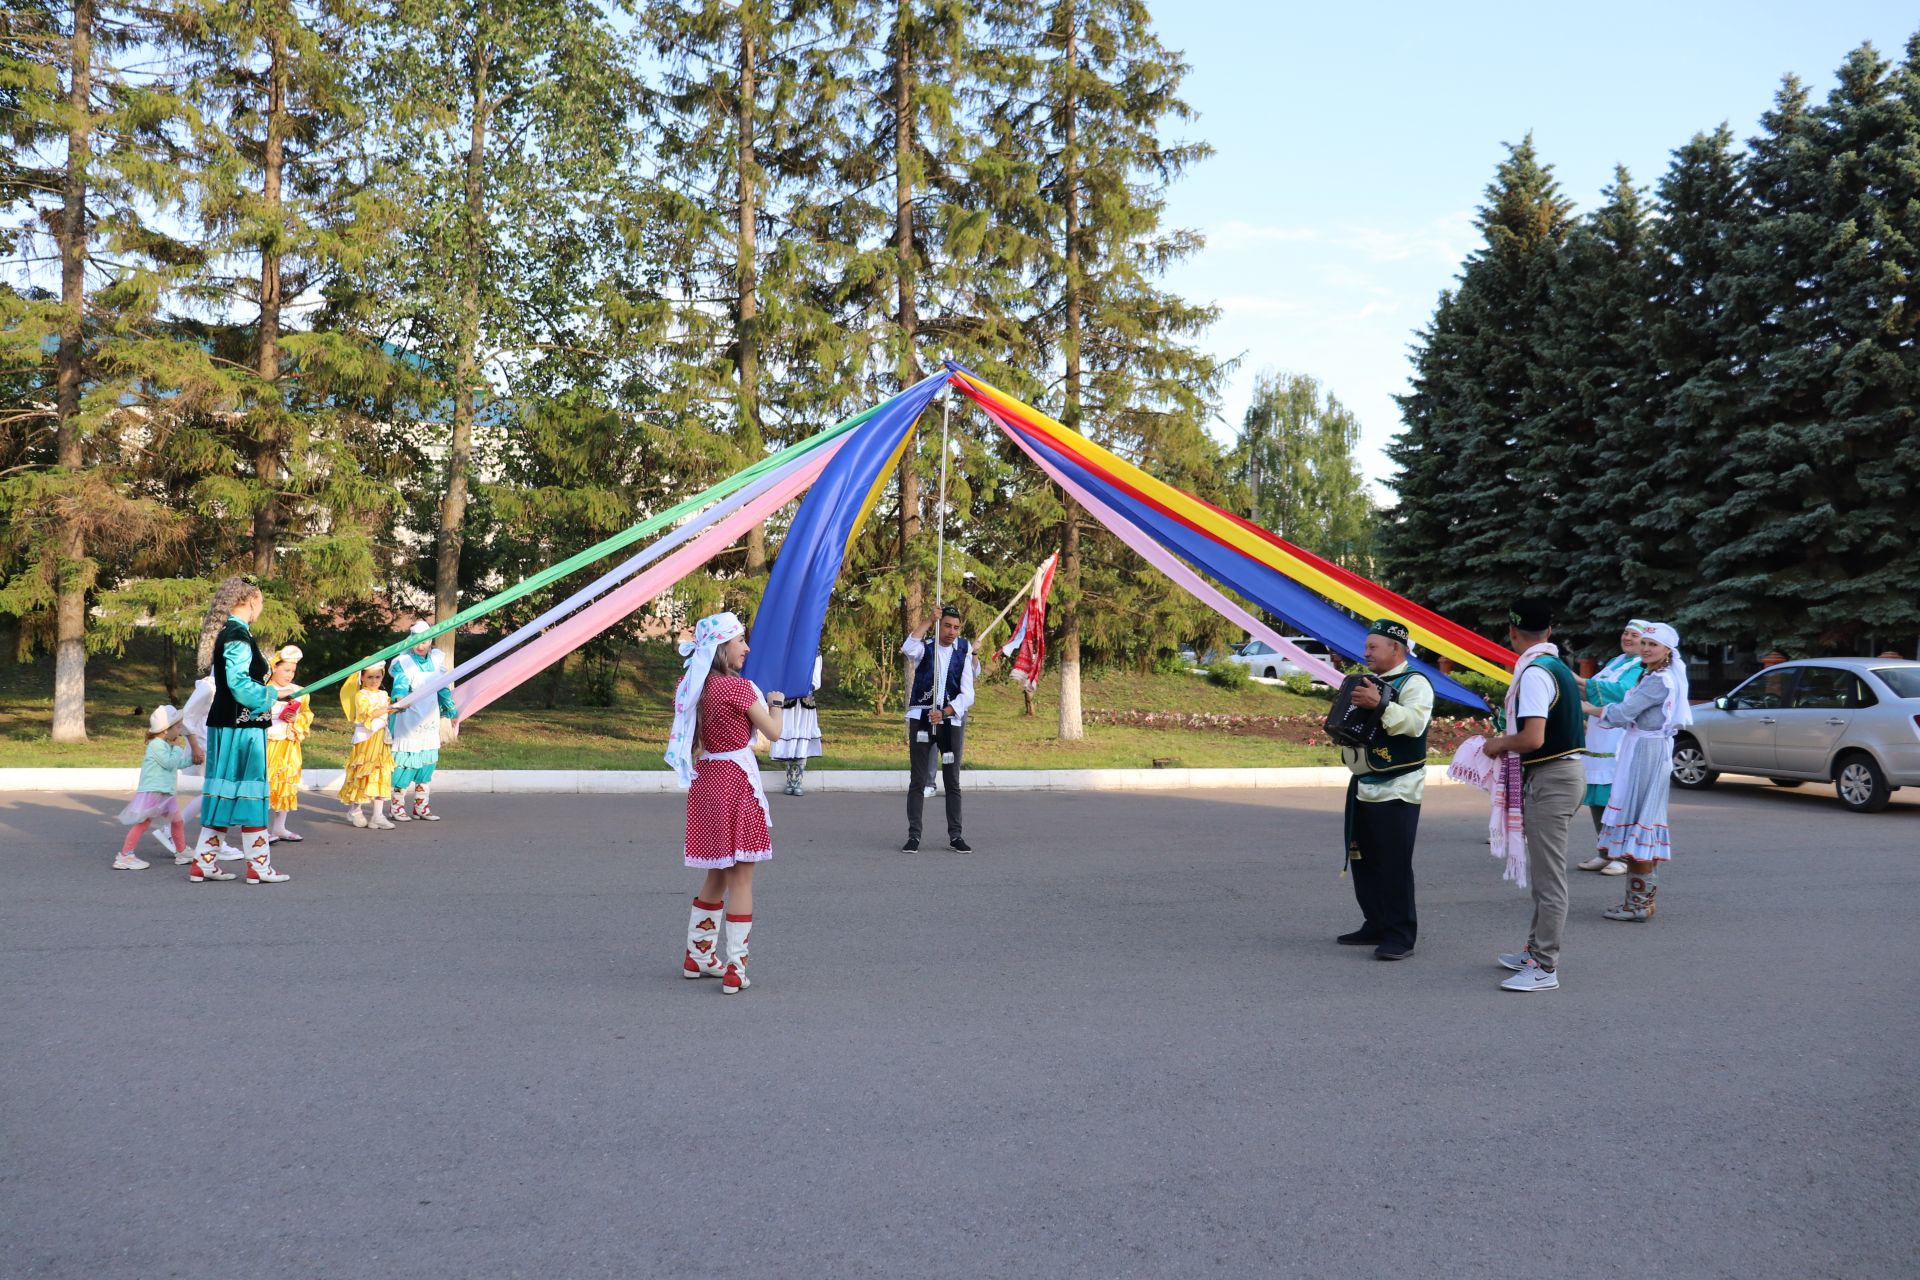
1354,726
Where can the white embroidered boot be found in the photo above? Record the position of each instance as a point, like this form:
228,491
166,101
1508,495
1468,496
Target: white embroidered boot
703,942
398,807
421,810
209,842
260,861
739,929
206,860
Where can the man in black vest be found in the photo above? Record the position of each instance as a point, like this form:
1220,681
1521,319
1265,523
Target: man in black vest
937,705
1549,730
1383,796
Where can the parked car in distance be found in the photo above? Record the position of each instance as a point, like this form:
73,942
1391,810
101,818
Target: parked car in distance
1262,659
1854,722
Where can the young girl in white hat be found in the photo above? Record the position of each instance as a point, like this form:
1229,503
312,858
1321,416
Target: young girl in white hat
154,801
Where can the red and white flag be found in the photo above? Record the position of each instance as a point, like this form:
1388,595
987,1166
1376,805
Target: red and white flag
1028,648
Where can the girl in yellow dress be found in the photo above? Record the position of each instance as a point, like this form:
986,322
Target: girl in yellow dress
284,736
370,760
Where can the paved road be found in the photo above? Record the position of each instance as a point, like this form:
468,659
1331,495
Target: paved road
1118,1040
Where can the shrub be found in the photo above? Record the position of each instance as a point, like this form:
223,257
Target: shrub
1228,675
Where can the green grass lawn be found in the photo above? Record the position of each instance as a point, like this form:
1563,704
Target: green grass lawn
519,732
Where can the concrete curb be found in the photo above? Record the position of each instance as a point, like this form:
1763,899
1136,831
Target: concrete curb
646,781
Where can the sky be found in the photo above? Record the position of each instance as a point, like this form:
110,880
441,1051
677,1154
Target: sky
1354,143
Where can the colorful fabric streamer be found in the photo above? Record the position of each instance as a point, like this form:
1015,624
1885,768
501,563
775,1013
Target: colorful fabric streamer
785,637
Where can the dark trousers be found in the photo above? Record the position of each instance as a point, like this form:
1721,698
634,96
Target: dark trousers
924,756
1383,871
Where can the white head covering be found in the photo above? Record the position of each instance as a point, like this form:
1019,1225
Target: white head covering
708,635
1679,708
164,717
1637,625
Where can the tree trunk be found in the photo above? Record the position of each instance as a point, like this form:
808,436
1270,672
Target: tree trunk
1071,725
913,599
70,604
747,283
266,444
453,504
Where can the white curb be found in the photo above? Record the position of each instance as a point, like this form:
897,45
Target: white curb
646,781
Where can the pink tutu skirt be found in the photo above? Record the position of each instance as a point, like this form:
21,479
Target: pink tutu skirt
150,806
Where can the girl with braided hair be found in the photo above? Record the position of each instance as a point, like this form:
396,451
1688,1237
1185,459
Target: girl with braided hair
235,791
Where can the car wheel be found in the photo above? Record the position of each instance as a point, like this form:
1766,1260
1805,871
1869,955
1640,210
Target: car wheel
1270,673
1690,766
1860,784
1784,782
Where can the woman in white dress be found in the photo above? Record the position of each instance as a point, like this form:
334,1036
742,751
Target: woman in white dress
800,736
1634,827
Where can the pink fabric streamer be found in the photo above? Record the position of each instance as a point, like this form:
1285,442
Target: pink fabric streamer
514,670
1166,562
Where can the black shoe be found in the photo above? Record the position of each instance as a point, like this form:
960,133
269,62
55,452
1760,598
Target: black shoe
959,846
912,845
1391,951
1360,938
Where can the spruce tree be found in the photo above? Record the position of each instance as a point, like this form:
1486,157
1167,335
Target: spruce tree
1590,393
1466,536
1810,533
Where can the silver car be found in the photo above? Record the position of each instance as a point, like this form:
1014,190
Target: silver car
1854,722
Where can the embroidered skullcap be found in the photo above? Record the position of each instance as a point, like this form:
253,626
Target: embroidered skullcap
950,611
1392,630
288,653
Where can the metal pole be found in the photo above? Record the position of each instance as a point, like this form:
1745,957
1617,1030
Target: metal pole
940,555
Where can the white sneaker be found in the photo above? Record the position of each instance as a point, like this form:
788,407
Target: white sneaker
1594,863
129,862
356,816
1532,978
1515,960
378,822
165,840
1614,868
229,854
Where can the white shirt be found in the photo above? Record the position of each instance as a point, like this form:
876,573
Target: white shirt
914,649
1537,692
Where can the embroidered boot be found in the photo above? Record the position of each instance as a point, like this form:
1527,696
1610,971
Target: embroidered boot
206,862
703,942
1635,907
739,929
420,808
260,861
398,806
799,777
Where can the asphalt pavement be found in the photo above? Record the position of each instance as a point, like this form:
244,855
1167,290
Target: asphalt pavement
1117,1040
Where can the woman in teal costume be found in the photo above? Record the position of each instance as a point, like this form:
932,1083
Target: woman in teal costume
235,789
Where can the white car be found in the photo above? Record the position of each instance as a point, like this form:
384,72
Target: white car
1262,659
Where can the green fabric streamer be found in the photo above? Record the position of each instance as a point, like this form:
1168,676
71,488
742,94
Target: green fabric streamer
553,573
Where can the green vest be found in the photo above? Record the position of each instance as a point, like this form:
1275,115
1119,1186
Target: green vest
1566,723
1396,753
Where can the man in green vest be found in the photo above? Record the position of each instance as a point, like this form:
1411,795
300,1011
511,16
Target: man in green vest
1383,796
1546,726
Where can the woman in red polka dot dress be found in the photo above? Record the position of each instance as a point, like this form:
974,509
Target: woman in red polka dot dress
729,829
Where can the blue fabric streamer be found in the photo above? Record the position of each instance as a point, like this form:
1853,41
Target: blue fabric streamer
785,638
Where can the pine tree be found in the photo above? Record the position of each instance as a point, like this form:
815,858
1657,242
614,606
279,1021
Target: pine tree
96,131
1077,164
1465,537
1590,392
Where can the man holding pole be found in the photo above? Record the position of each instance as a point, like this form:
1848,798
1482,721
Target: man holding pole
937,703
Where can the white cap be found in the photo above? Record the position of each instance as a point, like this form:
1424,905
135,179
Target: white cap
418,627
164,717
